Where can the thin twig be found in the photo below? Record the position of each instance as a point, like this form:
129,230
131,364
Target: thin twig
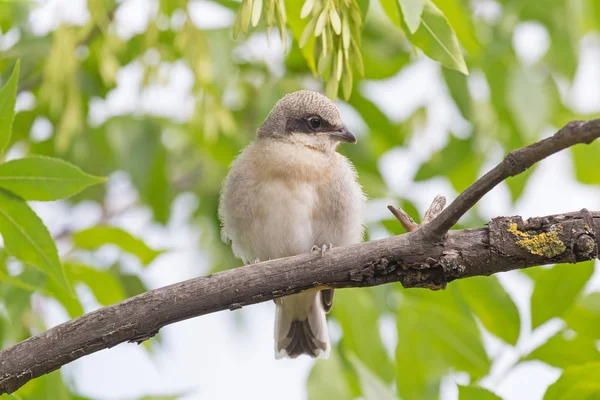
514,163
405,220
437,205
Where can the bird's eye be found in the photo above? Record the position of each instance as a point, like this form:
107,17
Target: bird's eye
314,122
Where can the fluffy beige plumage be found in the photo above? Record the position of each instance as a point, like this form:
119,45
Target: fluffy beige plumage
285,193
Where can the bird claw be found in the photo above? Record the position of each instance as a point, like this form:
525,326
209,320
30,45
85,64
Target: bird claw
323,249
256,261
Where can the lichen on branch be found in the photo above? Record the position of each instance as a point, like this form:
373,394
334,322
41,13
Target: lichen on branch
545,244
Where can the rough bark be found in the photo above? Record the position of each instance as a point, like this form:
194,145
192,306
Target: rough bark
428,257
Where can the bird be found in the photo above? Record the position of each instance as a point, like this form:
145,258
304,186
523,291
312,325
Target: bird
288,193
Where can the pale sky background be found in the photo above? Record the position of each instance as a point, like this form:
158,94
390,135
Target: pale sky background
216,357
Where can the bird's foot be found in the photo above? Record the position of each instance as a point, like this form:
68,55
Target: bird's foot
256,261
322,249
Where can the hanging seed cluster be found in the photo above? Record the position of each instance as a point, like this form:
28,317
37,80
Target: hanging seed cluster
336,25
250,12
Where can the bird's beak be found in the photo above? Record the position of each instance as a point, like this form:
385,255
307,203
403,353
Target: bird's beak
343,135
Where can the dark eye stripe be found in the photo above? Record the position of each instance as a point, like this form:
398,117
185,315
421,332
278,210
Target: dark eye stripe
296,125
301,125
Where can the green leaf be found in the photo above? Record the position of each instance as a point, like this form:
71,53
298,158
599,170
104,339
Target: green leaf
47,387
497,60
585,158
383,133
436,334
141,153
517,184
384,51
373,388
132,284
563,352
356,311
420,367
27,239
8,96
4,328
577,382
106,287
460,18
44,178
493,306
530,100
556,289
412,10
327,379
584,317
392,10
17,302
533,272
363,5
92,238
459,90
18,283
452,163
562,55
437,39
297,26
71,303
475,393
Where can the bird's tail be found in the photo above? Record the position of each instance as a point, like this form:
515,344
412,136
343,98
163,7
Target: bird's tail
301,327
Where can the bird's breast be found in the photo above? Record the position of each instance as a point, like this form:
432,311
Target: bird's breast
278,209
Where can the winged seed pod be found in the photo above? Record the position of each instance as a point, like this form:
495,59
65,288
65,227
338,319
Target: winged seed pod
251,11
355,14
271,13
321,23
256,11
347,81
324,61
237,25
307,33
357,57
340,59
281,7
307,8
245,15
332,87
334,17
346,35
281,21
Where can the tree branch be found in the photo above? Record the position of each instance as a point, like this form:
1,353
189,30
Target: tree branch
513,164
429,257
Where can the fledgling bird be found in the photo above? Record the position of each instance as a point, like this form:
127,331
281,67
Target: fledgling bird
288,192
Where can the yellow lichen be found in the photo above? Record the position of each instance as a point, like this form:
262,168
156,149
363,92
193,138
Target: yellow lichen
546,244
514,229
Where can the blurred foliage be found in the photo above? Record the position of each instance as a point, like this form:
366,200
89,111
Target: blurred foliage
72,74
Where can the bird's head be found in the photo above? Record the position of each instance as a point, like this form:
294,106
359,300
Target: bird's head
307,118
